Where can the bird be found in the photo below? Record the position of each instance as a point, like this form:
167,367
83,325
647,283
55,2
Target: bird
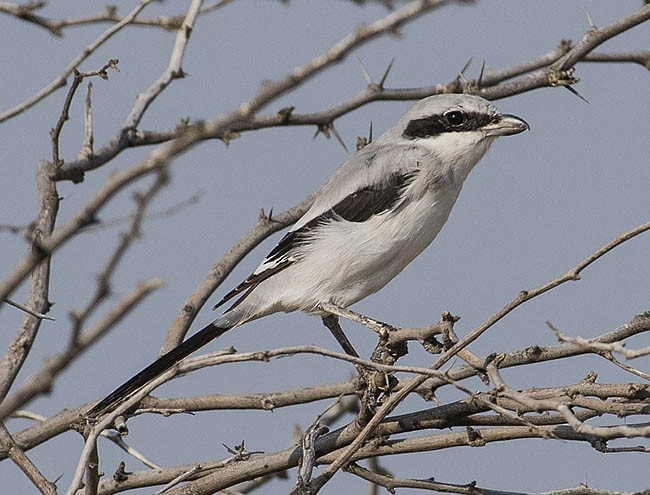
376,213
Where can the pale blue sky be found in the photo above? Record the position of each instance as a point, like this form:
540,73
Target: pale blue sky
537,204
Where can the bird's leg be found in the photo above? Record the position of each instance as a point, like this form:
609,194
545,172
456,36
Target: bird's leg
369,392
374,325
332,323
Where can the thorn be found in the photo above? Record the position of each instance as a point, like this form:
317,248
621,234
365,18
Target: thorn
480,76
386,72
285,113
338,138
564,46
228,136
575,92
370,133
395,31
263,217
366,76
461,74
324,129
590,20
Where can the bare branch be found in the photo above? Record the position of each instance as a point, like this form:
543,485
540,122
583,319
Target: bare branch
39,266
327,445
270,91
394,400
174,69
7,444
85,216
220,270
597,36
572,275
391,483
108,14
55,133
488,83
27,11
564,408
637,57
42,381
104,279
59,81
86,150
585,412
599,347
24,308
91,438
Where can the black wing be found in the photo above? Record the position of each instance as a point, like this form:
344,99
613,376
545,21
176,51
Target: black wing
357,207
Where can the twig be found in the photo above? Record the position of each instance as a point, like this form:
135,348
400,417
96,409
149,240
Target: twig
391,483
374,325
394,400
59,81
487,87
636,57
542,72
21,460
597,36
438,418
626,367
126,240
92,473
564,408
269,463
55,132
17,353
106,421
111,435
35,314
308,452
485,436
173,71
106,15
15,356
156,215
42,380
572,275
86,150
221,269
33,436
84,217
220,127
600,347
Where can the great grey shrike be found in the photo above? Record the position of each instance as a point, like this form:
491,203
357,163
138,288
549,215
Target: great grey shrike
378,211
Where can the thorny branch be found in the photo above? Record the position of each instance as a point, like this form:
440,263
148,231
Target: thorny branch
55,133
43,380
489,86
7,444
35,435
108,15
60,80
399,396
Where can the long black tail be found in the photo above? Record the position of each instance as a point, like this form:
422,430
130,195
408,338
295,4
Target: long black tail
162,364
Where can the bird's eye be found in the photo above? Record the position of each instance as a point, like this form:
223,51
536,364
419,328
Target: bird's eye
455,117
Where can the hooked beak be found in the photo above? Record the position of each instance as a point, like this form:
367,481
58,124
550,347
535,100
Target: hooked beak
506,125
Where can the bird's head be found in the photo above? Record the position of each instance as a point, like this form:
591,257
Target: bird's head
457,128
